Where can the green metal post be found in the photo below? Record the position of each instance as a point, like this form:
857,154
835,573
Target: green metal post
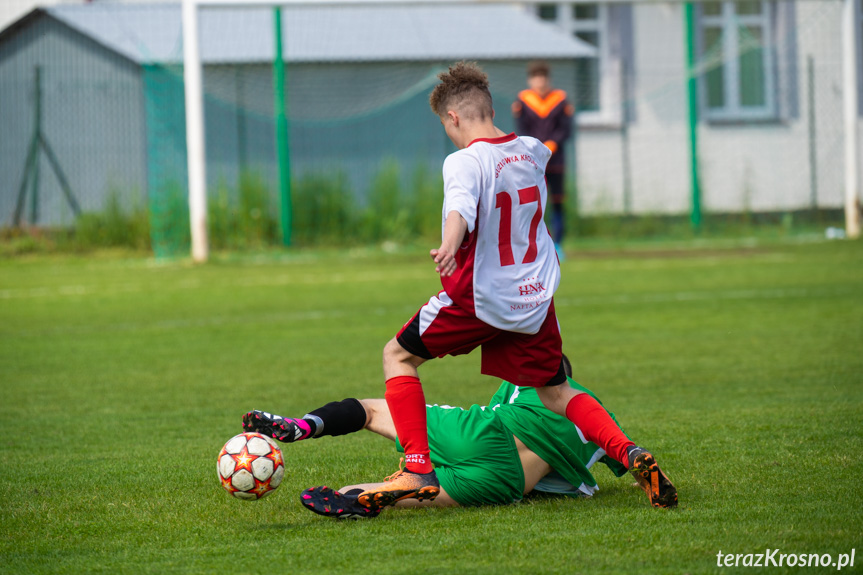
37,130
282,143
692,91
242,145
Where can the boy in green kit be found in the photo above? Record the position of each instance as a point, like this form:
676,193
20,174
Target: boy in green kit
483,455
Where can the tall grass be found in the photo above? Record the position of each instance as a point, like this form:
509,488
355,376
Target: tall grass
114,226
402,205
245,217
169,218
398,207
324,210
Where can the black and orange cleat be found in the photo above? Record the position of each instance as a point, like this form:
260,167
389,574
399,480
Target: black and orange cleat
330,503
402,484
651,479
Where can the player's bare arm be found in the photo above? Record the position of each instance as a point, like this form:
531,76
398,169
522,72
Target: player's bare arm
454,231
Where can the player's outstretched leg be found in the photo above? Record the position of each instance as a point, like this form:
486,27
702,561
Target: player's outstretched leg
284,429
330,503
643,466
402,484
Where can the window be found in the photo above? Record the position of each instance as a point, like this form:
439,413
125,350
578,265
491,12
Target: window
588,23
739,68
597,90
547,12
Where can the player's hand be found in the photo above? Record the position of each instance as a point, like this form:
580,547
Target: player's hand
445,261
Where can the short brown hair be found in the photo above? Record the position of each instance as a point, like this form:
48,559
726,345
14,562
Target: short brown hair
463,88
538,68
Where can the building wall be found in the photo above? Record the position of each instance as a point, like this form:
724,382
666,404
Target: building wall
657,135
766,167
92,118
757,166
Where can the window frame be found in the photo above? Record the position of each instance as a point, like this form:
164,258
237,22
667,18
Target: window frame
729,23
608,112
858,18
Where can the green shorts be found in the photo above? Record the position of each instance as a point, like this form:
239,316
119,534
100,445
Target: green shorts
475,456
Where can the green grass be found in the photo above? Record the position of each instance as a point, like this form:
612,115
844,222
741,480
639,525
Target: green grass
740,365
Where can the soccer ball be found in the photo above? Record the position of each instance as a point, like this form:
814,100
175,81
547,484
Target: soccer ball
250,466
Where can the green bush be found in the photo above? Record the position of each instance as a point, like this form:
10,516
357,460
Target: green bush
169,219
113,227
387,213
426,202
244,217
399,207
257,223
220,218
324,210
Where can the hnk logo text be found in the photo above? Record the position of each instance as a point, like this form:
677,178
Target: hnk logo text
530,289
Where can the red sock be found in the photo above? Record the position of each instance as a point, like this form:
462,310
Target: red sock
597,426
407,404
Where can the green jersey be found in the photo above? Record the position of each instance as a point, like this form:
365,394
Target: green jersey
554,438
476,459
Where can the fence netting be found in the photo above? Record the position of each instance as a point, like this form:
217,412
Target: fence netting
93,115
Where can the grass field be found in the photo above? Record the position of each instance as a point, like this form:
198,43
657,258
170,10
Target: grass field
739,365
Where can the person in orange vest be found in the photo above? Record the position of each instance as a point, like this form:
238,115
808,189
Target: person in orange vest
543,112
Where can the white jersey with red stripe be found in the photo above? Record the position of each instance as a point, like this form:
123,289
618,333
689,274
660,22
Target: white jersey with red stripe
507,266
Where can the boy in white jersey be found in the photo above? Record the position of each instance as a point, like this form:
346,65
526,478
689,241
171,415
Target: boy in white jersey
499,271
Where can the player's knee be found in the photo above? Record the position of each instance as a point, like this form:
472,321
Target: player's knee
374,409
393,350
395,353
556,398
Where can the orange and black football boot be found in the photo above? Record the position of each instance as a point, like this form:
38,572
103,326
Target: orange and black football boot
651,479
402,484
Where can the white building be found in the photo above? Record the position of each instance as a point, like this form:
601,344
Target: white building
769,83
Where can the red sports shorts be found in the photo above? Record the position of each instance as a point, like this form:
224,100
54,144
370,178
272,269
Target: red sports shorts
442,328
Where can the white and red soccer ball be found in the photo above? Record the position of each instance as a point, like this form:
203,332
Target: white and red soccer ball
250,466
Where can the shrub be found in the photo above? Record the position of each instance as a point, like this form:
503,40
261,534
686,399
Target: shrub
324,210
113,226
